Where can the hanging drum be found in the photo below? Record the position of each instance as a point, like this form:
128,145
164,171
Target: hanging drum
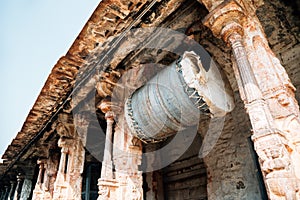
175,98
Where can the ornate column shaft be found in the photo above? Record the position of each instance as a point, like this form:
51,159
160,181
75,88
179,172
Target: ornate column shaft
18,187
62,162
106,171
2,194
60,187
26,188
6,193
107,183
69,175
41,173
267,93
38,191
127,159
11,191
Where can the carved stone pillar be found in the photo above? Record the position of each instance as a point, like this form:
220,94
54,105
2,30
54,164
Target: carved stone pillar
68,181
75,169
267,93
26,188
127,158
106,171
60,186
2,194
11,191
107,184
38,190
6,192
154,179
18,187
41,173
63,160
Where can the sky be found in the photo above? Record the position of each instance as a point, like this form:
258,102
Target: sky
34,34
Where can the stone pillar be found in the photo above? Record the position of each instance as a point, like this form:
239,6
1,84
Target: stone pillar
5,196
18,187
26,188
75,169
11,191
63,159
107,184
267,93
127,158
2,194
38,190
69,180
154,179
60,186
41,173
106,171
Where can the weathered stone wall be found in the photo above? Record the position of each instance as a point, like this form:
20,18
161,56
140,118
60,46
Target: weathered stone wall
230,166
186,178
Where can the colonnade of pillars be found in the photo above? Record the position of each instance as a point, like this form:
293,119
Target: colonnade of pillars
268,96
60,175
20,189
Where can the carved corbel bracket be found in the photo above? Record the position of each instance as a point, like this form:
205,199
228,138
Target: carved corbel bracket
111,109
65,126
65,143
107,81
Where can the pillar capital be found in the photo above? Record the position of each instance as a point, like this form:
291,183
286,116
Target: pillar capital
225,19
20,177
41,162
64,144
109,108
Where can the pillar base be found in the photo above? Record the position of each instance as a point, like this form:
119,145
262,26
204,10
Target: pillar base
107,189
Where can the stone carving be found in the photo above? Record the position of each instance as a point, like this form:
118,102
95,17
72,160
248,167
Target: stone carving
268,94
275,159
103,192
108,80
38,192
82,126
69,179
133,190
127,158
